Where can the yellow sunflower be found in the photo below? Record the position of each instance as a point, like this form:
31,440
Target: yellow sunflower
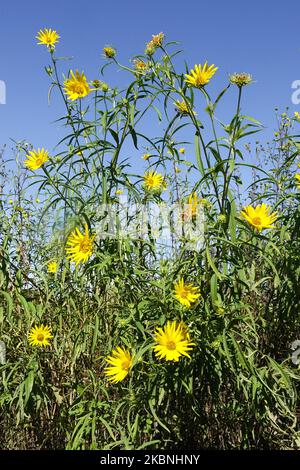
182,150
40,336
146,156
120,363
259,217
36,158
297,176
186,294
173,341
52,267
153,181
48,37
201,75
80,246
76,86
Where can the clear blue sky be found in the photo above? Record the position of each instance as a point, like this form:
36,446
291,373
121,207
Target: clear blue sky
258,37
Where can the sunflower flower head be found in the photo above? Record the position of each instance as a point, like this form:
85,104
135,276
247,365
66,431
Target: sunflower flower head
153,181
80,246
186,294
76,86
36,158
52,267
146,156
47,37
40,336
172,341
260,217
297,177
181,150
240,79
120,362
201,75
109,52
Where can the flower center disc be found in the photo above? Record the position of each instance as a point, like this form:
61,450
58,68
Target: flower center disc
171,345
256,220
40,337
125,365
84,246
183,294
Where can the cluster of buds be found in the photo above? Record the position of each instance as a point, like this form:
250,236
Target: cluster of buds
156,41
99,85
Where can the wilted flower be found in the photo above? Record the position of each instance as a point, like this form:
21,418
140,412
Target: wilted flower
157,40
140,66
240,79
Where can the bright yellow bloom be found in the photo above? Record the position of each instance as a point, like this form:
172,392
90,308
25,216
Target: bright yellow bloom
76,86
201,75
40,336
119,192
36,158
186,294
181,150
48,37
297,115
297,176
172,341
121,362
80,246
146,156
109,52
259,216
52,267
153,181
